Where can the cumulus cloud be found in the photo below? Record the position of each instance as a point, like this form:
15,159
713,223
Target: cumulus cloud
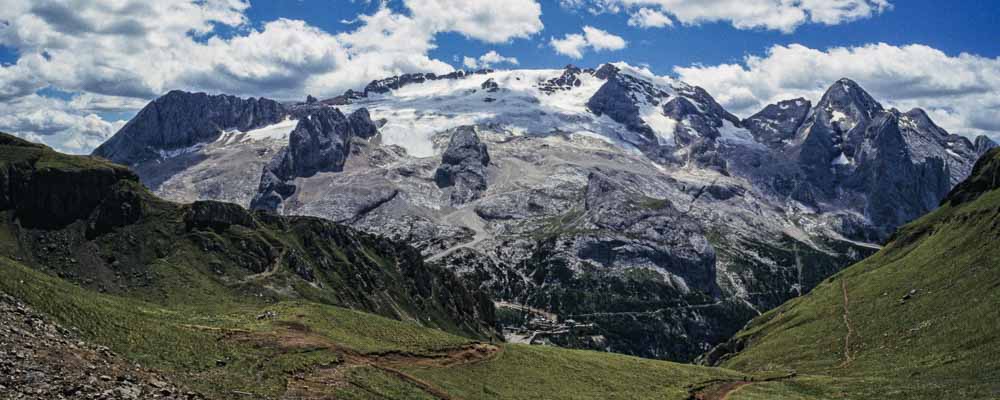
649,18
488,60
56,123
574,45
118,54
961,92
486,20
782,15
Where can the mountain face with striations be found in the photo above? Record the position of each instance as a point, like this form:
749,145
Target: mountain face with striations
603,208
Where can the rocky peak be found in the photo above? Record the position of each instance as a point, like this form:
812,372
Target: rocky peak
845,105
568,80
463,166
181,119
776,124
982,144
621,97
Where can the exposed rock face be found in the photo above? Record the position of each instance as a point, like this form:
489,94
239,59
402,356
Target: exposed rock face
55,197
619,99
888,165
180,120
490,86
983,144
320,142
569,79
217,215
776,124
899,186
463,166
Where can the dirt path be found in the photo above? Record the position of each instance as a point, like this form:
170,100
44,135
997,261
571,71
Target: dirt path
520,307
723,390
316,383
850,328
275,266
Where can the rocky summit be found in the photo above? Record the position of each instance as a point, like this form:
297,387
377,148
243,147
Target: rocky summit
605,208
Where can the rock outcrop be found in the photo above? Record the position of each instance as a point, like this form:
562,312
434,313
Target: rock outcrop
463,166
320,142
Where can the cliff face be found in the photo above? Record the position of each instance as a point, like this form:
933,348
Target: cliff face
179,120
320,142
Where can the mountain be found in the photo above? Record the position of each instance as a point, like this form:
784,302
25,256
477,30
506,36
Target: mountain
107,291
850,152
916,320
603,208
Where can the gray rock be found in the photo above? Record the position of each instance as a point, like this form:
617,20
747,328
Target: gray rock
180,120
320,142
776,124
983,144
463,166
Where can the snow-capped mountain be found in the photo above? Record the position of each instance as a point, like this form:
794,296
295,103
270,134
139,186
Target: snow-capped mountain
649,219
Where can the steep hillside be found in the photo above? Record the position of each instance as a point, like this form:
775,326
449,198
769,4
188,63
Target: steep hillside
93,223
916,320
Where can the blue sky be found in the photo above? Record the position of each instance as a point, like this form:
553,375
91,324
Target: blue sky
956,27
73,71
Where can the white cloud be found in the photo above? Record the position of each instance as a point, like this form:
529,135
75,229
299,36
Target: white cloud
649,18
961,92
116,55
488,60
782,15
487,20
56,123
602,40
574,45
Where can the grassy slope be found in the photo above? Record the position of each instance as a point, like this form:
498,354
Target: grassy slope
187,341
940,342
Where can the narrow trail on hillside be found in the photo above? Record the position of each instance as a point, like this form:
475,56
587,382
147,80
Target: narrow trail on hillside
465,217
273,269
723,389
316,382
850,328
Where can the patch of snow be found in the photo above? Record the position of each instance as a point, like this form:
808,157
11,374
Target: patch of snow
662,125
181,151
952,153
841,160
278,131
732,134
